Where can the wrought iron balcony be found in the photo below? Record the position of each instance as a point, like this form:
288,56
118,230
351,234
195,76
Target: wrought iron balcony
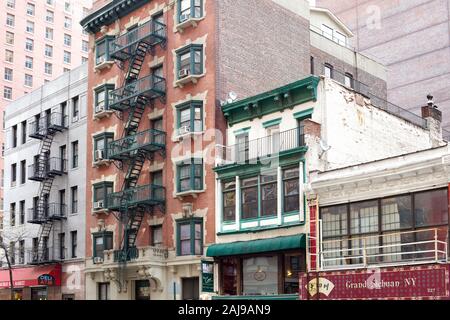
50,212
148,88
148,195
44,256
152,33
149,140
137,255
254,150
43,169
55,122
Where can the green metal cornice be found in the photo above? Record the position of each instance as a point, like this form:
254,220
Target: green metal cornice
277,100
109,13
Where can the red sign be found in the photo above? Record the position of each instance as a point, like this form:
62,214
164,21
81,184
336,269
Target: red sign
424,282
32,276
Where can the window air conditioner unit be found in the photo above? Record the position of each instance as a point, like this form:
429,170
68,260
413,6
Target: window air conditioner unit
98,205
99,155
184,17
184,73
100,108
184,130
98,260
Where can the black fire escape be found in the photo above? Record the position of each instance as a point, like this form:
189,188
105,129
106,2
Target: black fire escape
132,150
44,170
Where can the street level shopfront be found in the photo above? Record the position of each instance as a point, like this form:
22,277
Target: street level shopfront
32,283
260,269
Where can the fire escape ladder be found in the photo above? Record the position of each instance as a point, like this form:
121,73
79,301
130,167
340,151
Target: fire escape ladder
134,117
134,169
136,62
132,228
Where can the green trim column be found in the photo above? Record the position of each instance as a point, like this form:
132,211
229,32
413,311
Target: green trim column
219,208
280,195
301,207
238,204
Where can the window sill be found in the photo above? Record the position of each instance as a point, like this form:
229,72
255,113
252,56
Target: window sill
105,64
191,78
103,114
100,163
100,212
191,22
193,193
188,135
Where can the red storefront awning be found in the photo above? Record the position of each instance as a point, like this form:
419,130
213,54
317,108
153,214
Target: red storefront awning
32,276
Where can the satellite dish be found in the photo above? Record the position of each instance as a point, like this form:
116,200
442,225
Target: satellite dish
324,146
233,96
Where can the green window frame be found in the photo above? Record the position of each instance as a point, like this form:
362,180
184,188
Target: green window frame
190,175
107,237
103,104
190,237
194,10
102,53
106,138
191,59
290,181
229,201
195,111
264,205
103,188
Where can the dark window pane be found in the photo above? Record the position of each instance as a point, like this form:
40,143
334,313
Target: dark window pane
431,208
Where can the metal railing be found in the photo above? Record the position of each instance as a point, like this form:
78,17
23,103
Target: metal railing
390,249
151,83
41,126
142,195
52,211
254,150
150,139
152,30
42,168
331,37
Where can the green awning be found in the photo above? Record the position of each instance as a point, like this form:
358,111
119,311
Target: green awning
256,246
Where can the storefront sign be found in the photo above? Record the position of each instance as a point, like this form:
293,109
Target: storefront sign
49,275
425,282
207,276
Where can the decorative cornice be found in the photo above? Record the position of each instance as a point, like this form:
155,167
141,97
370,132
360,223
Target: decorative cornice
277,100
109,13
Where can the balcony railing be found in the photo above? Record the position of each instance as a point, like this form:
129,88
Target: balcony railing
135,254
152,33
43,169
149,140
390,249
53,211
39,128
140,196
254,150
149,87
44,255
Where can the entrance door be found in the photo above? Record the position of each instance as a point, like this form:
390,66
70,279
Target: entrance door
39,293
142,290
190,287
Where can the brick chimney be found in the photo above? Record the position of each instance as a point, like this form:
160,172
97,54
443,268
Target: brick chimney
433,116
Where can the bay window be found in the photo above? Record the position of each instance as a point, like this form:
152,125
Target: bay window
189,9
102,49
190,237
100,193
190,61
190,117
190,175
101,143
102,241
103,97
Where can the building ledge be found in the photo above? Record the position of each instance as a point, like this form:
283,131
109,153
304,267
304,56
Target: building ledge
191,193
188,135
101,163
193,78
103,114
104,65
191,22
100,212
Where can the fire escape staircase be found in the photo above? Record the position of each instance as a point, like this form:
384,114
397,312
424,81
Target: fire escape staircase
133,98
44,129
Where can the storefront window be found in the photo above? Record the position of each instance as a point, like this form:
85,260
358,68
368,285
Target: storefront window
431,208
229,276
396,213
293,264
364,217
229,201
260,275
39,293
18,294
